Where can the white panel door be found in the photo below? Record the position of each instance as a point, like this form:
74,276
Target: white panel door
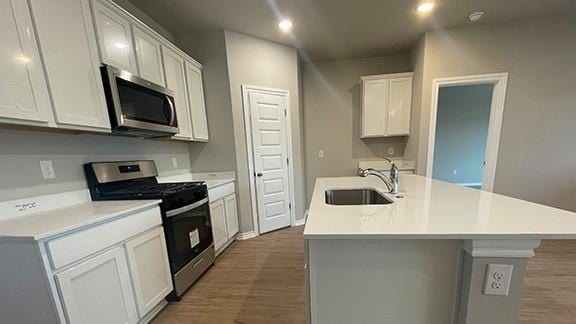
197,104
374,108
231,215
114,38
148,57
99,290
270,151
23,89
399,106
70,53
218,219
176,81
148,259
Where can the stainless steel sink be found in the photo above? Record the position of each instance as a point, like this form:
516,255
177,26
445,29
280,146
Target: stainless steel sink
356,197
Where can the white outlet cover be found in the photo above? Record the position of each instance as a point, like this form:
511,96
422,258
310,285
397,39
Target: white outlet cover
320,154
47,168
498,279
390,151
174,162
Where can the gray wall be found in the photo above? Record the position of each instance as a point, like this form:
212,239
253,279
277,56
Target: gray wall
209,48
461,133
21,151
332,105
256,62
537,158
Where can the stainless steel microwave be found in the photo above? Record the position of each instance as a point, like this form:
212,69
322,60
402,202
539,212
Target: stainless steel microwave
138,107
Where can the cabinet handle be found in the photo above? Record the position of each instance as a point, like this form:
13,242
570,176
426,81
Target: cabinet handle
259,174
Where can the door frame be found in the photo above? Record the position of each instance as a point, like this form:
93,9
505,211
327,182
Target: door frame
500,81
246,90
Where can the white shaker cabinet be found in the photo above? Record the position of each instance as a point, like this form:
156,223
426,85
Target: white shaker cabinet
196,100
176,81
24,95
149,267
386,105
114,38
148,56
72,64
99,290
231,215
218,219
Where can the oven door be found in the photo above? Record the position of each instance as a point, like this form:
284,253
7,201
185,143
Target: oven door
138,105
188,233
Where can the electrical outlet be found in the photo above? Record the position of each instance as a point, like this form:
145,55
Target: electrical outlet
320,154
498,279
47,168
391,151
174,162
453,172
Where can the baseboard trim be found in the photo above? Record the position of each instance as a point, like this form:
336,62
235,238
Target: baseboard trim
246,235
300,222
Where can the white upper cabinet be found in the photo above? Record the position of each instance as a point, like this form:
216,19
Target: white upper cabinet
196,100
114,38
148,57
386,105
176,81
72,64
24,95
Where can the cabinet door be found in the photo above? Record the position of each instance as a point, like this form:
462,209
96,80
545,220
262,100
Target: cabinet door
114,38
176,81
231,215
148,57
72,63
399,106
197,104
99,290
218,218
23,89
150,270
375,97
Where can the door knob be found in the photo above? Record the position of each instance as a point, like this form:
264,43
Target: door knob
259,174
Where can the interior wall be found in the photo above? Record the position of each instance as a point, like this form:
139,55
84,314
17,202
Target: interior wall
536,155
463,116
218,154
21,151
332,106
417,55
256,62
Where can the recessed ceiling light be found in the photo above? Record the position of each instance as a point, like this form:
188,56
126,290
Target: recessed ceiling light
425,7
476,16
285,25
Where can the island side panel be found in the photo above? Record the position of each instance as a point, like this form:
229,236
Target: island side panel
383,281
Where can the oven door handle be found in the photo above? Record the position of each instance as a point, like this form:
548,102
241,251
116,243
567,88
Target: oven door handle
184,209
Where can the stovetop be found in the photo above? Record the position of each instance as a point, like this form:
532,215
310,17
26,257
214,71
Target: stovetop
150,191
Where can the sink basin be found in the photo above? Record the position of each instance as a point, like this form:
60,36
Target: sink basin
356,197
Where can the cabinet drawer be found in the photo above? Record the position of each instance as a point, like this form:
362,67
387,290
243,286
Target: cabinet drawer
67,249
221,191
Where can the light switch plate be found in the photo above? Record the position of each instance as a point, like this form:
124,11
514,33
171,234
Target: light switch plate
47,168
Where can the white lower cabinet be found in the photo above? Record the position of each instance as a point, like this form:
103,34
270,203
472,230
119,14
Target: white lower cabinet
218,218
99,290
231,216
224,215
149,268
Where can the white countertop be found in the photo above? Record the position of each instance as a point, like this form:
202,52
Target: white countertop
52,222
434,209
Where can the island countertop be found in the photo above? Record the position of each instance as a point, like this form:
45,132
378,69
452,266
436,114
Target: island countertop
432,209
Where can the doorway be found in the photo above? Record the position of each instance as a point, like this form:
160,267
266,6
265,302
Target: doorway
268,131
465,129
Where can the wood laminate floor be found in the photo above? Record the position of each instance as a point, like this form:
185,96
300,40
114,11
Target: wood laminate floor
261,281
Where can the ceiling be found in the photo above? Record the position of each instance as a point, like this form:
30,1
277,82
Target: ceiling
340,29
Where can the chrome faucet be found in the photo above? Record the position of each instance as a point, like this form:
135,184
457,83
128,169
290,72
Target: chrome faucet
390,181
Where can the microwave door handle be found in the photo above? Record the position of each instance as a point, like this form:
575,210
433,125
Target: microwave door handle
172,111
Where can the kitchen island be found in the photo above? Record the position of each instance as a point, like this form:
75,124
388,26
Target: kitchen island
423,257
